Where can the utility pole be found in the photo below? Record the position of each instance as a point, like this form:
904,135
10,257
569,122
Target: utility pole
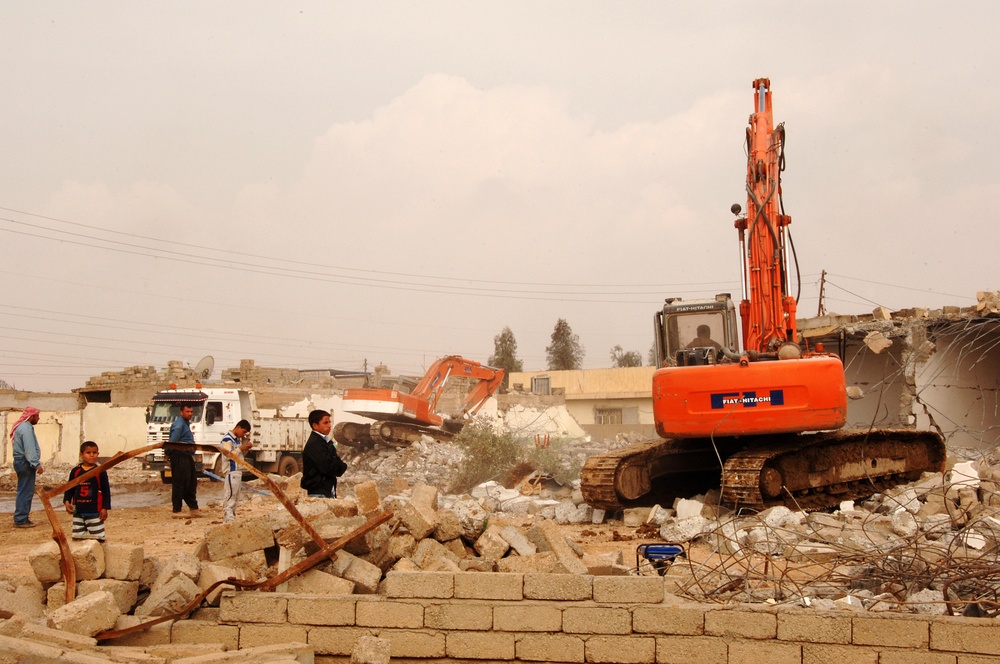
821,311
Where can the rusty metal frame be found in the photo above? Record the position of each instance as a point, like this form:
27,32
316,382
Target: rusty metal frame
69,568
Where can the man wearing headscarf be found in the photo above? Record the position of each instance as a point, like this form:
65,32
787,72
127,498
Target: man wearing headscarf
27,464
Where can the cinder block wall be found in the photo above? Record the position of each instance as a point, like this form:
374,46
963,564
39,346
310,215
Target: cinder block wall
573,618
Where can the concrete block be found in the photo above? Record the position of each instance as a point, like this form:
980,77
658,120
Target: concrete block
425,495
399,545
562,587
965,636
56,637
457,547
182,564
557,545
686,649
550,648
371,650
252,636
420,584
680,620
539,563
473,585
213,573
813,653
518,541
417,645
88,615
814,627
635,516
741,624
490,544
158,634
480,645
279,652
364,575
428,550
202,631
477,564
419,519
27,600
169,597
122,561
443,565
238,537
337,641
19,650
621,649
597,620
320,611
125,592
45,562
886,630
465,616
88,556
389,613
316,582
527,618
253,607
151,568
628,589
449,526
368,497
765,652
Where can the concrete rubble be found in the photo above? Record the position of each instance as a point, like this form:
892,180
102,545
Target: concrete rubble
917,548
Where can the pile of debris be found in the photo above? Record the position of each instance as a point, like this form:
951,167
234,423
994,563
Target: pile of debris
932,546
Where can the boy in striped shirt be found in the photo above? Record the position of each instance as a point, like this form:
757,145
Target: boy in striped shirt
235,441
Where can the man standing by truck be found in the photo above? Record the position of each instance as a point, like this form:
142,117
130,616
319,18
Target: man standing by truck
236,442
184,488
321,465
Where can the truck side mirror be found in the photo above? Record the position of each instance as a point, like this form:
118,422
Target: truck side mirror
210,417
148,414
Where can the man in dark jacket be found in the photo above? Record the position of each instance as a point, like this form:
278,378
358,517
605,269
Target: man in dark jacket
321,465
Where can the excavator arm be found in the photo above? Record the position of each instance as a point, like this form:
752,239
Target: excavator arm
431,386
767,312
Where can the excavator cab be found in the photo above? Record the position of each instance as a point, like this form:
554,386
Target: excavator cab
693,332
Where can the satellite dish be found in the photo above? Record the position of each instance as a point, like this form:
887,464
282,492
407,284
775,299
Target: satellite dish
206,365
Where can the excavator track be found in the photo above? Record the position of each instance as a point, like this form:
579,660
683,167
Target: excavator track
816,471
402,434
648,473
805,471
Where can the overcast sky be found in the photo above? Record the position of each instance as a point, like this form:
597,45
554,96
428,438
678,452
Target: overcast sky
321,184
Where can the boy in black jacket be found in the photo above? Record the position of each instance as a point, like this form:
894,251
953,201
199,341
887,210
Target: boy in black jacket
88,501
321,465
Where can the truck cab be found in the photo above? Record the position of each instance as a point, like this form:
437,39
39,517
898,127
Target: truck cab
216,412
676,330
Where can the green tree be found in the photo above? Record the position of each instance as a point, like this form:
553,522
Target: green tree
621,358
505,354
565,351
651,357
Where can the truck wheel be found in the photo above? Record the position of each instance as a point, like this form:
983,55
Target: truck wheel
166,479
287,465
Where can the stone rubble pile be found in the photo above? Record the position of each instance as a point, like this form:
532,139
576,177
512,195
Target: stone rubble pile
918,547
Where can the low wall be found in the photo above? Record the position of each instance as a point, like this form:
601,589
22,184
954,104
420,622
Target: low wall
573,618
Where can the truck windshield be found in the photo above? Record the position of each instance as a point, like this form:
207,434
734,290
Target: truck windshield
164,412
687,330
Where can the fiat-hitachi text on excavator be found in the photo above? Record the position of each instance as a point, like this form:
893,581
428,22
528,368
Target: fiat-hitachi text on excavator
402,418
768,419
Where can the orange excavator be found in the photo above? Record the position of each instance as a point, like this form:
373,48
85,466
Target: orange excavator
402,418
763,424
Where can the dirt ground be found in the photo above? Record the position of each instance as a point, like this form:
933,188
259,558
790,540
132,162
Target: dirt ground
154,528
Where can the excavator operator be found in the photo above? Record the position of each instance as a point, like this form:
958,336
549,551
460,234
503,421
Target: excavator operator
704,339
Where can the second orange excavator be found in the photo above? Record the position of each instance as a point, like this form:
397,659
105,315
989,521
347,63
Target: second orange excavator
764,423
402,418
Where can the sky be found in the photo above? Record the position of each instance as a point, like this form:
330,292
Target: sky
342,184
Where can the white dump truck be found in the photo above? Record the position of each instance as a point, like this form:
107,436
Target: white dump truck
277,441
